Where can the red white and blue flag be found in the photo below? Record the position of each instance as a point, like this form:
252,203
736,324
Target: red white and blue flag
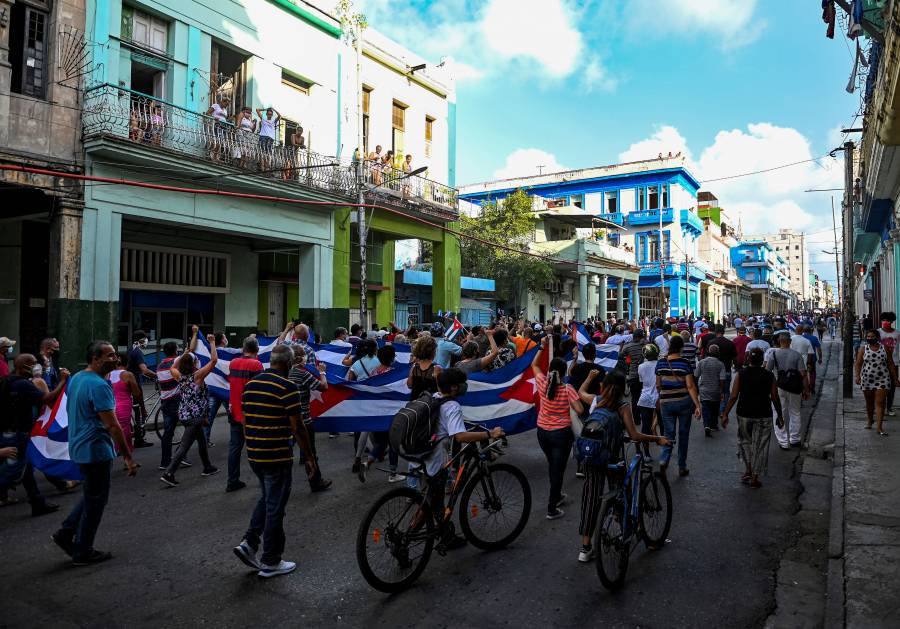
48,450
607,354
455,329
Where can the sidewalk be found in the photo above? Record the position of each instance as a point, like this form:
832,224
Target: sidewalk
865,541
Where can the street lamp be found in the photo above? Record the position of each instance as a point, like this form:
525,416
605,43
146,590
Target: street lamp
364,236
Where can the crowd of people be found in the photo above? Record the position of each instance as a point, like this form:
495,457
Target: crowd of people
668,374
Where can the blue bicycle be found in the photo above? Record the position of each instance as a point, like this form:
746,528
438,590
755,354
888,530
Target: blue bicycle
639,505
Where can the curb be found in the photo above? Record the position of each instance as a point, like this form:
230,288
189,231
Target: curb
835,610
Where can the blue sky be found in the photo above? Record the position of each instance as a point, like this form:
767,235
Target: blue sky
737,85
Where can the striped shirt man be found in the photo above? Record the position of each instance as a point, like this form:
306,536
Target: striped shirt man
269,402
673,379
168,387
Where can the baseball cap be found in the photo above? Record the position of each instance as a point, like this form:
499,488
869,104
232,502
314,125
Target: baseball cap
538,327
6,342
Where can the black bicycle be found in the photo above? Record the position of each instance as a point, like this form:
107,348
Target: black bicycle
639,505
159,423
398,534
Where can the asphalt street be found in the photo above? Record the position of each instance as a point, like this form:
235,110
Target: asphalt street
173,565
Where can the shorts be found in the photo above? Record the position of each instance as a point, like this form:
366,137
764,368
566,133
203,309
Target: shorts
266,143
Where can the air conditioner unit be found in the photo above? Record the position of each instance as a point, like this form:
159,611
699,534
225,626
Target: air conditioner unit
548,286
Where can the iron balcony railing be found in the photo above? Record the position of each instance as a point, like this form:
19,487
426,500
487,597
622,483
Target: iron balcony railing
128,115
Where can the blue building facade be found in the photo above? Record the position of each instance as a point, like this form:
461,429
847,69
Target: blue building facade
653,204
766,271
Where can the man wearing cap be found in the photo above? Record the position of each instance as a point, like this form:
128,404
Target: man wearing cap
6,345
445,349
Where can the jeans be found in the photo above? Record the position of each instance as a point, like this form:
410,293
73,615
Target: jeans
710,410
214,404
727,391
316,478
635,387
235,447
556,445
191,433
169,410
84,520
267,521
22,471
677,415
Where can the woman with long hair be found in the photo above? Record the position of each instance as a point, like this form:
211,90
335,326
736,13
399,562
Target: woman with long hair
193,409
424,372
554,423
612,397
127,393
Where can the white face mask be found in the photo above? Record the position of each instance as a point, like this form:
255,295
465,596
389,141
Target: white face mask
37,371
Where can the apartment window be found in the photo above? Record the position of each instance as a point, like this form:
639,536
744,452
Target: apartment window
653,198
665,196
612,201
796,247
577,201
398,124
296,82
366,101
144,30
429,134
28,49
641,199
229,74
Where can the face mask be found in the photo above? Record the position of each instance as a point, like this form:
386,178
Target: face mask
886,325
37,371
143,343
461,389
872,341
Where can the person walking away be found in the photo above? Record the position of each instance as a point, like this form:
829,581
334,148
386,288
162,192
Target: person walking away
20,409
612,397
832,325
727,354
814,357
789,367
710,375
126,393
740,346
306,383
554,424
193,410
170,398
678,402
754,392
215,402
875,371
271,406
648,403
424,372
890,338
138,367
633,354
757,342
240,372
689,351
94,437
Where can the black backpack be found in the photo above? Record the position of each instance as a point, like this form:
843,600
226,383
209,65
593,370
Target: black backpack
788,379
601,437
414,427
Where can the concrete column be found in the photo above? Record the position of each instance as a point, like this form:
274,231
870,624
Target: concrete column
620,298
384,299
635,300
446,287
602,293
317,289
582,296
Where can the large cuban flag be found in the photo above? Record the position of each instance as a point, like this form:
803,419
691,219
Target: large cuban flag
607,354
505,397
49,446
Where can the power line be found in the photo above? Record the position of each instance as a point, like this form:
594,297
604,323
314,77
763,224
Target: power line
765,170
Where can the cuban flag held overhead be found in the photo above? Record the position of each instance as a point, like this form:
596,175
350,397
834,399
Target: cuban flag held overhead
607,354
48,449
455,329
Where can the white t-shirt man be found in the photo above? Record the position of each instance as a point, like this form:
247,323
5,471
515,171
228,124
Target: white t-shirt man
662,342
450,424
267,127
801,345
219,112
738,322
647,376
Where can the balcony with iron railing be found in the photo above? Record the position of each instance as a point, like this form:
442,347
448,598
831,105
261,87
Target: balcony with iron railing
123,115
650,217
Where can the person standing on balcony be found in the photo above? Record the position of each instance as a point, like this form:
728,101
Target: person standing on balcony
219,112
246,127
387,166
297,143
375,160
268,126
407,169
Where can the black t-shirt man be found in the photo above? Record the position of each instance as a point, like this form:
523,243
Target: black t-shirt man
24,398
727,351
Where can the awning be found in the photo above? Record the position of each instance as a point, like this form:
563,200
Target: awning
577,217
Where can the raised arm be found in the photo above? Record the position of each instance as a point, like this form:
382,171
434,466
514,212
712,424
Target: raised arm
487,360
536,363
206,369
192,347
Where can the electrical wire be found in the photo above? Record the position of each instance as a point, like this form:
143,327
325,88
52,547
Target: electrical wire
765,170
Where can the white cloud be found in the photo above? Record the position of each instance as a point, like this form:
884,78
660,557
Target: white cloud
527,162
596,77
664,140
733,23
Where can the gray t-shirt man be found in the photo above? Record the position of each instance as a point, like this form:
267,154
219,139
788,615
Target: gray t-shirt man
784,359
710,373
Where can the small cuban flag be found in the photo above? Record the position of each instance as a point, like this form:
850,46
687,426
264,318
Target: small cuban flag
581,335
454,330
440,314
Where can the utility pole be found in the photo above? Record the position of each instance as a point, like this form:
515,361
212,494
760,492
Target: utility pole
664,298
848,314
837,260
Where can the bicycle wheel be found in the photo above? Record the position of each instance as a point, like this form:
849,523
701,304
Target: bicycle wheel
612,548
655,510
494,507
395,539
159,426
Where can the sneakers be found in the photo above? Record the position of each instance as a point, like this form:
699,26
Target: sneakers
210,471
64,541
246,554
562,500
363,470
186,463
708,431
332,435
96,556
235,486
355,468
396,478
283,567
586,554
556,514
43,508
683,471
169,479
142,444
891,413
323,485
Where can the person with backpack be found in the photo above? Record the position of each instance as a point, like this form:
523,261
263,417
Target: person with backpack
789,367
601,444
554,423
193,410
755,392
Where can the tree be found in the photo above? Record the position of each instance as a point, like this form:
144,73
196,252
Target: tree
511,223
